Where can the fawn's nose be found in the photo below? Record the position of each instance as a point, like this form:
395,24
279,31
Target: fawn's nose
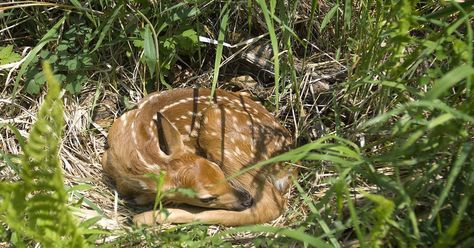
248,202
245,199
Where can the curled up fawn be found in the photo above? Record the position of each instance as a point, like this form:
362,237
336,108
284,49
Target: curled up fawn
200,143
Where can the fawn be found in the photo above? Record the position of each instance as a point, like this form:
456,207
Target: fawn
200,143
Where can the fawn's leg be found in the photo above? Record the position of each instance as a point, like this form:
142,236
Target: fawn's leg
269,206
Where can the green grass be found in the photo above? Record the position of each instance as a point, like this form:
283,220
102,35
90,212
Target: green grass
393,133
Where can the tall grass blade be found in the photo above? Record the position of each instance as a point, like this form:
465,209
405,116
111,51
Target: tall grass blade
328,17
222,29
106,26
462,156
308,201
449,80
274,42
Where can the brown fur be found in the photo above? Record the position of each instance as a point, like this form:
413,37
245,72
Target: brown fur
199,143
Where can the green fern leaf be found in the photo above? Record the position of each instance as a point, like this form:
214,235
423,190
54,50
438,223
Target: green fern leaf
36,207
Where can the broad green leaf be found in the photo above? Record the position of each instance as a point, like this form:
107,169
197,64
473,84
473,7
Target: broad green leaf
33,86
7,55
149,50
188,40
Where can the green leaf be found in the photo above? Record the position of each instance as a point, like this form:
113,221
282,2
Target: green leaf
184,14
75,83
80,187
62,47
106,26
222,28
7,55
187,41
33,85
381,215
138,43
449,80
328,17
149,50
36,206
274,42
49,36
186,192
461,49
462,156
72,64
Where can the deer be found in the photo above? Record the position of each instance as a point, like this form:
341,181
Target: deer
202,143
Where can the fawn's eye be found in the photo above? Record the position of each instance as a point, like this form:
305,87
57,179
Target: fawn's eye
208,199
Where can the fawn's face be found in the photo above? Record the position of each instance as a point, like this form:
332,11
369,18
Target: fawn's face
209,183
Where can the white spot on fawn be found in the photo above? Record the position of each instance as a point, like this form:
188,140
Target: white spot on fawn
234,119
145,163
228,153
185,138
183,117
237,102
125,120
134,132
169,106
150,130
235,126
185,100
187,128
238,151
239,111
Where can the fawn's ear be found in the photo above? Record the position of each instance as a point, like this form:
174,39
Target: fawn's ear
169,137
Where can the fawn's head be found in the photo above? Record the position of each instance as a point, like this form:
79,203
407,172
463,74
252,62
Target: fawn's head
204,177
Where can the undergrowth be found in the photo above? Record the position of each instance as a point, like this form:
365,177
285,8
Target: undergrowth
391,130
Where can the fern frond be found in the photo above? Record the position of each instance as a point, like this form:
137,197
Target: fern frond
36,206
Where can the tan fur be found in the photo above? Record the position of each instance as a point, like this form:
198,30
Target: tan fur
203,142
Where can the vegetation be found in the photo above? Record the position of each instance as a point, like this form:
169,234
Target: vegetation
379,95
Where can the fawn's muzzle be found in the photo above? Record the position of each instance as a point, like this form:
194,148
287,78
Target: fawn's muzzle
245,200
